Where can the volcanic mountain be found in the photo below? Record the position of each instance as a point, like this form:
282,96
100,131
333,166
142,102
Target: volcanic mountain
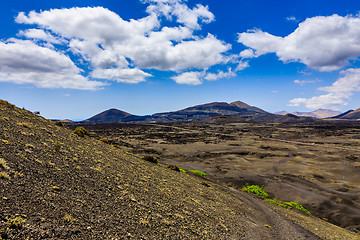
111,115
235,110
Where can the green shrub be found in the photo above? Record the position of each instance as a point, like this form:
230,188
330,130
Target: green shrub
277,203
173,167
81,132
297,206
200,173
150,159
182,170
255,189
16,222
287,205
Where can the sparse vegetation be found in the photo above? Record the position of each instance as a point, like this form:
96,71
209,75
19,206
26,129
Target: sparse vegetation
104,140
276,202
4,175
255,189
174,167
298,206
81,132
16,222
182,170
64,196
68,218
3,163
149,158
200,173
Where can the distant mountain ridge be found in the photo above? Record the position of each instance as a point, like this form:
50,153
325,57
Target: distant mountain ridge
320,113
201,112
350,115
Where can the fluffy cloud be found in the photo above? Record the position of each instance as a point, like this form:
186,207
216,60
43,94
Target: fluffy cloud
39,34
186,16
197,77
191,78
24,62
122,51
322,43
338,93
332,101
228,74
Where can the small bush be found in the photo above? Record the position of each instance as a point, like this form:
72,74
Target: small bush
4,175
277,203
288,205
297,206
68,218
104,140
81,132
3,163
150,159
55,188
255,189
173,167
200,173
16,222
182,170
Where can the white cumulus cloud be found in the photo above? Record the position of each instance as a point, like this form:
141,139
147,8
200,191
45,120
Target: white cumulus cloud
338,94
123,51
190,78
24,62
324,43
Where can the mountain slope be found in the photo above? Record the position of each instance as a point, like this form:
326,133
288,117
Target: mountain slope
351,115
55,184
215,109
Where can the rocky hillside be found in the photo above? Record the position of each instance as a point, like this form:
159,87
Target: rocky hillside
350,115
55,184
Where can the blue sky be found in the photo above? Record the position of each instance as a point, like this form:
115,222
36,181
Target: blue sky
74,59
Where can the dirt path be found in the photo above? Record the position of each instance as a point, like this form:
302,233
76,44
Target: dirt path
281,228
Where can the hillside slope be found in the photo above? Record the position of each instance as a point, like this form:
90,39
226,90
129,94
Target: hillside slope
350,115
57,185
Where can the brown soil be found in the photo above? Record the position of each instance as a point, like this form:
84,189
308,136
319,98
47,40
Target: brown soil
325,180
57,185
